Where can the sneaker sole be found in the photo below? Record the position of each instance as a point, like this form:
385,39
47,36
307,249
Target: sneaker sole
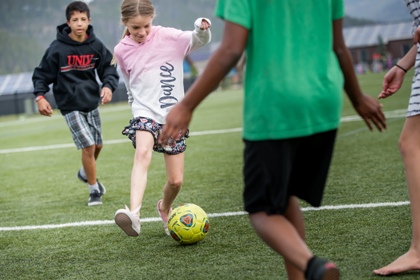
81,178
124,222
102,189
331,274
94,203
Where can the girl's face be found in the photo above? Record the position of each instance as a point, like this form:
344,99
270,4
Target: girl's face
139,27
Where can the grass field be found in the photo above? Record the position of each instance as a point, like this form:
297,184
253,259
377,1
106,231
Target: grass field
48,232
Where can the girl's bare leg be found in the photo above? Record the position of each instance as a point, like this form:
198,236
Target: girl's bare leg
175,177
142,159
410,150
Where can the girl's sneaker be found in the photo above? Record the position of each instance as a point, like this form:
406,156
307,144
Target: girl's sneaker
128,221
163,216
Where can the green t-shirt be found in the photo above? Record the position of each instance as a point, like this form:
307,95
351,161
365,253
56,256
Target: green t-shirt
293,82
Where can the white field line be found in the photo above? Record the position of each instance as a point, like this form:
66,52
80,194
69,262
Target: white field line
214,215
109,142
24,121
393,114
390,114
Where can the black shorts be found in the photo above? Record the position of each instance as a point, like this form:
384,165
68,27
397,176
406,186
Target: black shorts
275,170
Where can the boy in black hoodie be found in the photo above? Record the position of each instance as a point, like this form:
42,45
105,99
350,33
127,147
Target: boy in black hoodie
70,64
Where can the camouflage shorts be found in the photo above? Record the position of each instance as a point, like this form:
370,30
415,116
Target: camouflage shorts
146,124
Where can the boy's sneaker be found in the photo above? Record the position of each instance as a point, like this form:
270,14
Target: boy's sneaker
128,221
319,269
163,216
80,177
102,189
95,198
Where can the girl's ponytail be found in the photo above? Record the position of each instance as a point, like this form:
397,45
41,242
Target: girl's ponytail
114,59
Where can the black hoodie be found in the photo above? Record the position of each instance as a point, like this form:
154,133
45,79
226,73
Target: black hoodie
70,66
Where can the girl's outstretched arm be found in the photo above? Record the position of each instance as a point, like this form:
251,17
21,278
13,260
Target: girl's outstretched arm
395,76
220,63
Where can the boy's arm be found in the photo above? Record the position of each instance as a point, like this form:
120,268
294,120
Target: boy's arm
44,75
108,73
366,106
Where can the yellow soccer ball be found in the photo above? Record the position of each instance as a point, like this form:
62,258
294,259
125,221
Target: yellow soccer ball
188,223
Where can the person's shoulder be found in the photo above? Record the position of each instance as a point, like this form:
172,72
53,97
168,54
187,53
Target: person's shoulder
98,42
122,44
164,29
55,42
167,32
117,49
55,46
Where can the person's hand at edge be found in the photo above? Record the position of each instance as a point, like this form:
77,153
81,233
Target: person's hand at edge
176,125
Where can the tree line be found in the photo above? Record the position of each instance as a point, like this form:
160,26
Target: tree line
27,27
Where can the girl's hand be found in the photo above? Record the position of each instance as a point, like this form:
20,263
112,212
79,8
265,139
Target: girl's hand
416,37
392,82
205,25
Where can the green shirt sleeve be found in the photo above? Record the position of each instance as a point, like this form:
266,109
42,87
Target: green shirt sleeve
337,9
236,11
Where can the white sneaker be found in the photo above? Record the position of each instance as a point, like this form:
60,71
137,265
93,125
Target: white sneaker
128,221
164,216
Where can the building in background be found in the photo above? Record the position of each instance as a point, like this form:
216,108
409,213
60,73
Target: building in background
377,47
374,48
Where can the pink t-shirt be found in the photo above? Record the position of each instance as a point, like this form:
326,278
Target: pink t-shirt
153,70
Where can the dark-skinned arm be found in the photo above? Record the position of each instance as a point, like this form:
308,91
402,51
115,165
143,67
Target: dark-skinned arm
368,107
220,63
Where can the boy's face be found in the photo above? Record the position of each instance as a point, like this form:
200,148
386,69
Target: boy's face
78,24
139,27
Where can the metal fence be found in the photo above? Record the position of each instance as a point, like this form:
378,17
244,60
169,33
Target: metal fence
24,102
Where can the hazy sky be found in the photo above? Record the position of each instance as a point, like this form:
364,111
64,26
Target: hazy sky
378,10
